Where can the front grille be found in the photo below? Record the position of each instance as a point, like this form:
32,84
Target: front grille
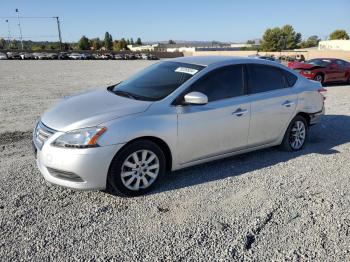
42,134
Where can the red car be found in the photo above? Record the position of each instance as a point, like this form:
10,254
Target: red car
324,70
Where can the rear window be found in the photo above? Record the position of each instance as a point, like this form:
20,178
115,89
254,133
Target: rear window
290,78
262,78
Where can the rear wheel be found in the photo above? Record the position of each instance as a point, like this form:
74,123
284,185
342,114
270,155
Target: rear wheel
296,134
137,168
319,78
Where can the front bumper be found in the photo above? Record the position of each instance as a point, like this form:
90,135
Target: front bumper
84,169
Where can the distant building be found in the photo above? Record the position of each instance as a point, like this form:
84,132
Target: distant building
142,48
342,45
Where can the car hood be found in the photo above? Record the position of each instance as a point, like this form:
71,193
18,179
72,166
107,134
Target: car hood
91,109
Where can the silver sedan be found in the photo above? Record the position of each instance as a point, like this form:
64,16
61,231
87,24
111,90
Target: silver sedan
171,115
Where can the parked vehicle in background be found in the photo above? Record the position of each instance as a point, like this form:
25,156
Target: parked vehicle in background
269,58
130,56
26,56
76,56
13,55
144,56
119,57
172,115
3,56
152,57
323,70
63,56
42,56
52,56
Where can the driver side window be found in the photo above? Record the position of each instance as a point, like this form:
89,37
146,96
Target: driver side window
222,83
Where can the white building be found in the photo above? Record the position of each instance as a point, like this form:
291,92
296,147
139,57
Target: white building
142,48
343,45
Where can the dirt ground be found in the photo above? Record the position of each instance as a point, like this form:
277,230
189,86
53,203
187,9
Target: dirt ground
261,206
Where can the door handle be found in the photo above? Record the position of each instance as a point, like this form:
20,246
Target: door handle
288,103
240,112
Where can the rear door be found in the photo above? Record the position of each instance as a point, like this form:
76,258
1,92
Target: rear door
341,73
220,126
273,102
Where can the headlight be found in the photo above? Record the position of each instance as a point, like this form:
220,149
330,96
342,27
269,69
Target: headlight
81,138
307,72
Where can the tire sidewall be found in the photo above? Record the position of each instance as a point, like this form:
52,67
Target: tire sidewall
322,81
114,172
286,142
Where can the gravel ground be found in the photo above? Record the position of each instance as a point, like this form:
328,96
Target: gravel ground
261,206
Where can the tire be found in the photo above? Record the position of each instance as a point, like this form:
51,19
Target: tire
319,78
289,142
133,178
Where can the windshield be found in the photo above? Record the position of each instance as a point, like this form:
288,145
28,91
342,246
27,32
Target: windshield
156,81
319,62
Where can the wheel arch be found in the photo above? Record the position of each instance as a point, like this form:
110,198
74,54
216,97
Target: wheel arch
306,116
159,142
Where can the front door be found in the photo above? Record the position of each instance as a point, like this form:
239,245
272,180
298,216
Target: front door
221,126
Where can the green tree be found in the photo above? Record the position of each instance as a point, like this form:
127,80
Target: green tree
339,34
120,45
312,41
132,41
171,42
84,43
96,43
13,44
250,42
138,41
277,39
108,41
2,43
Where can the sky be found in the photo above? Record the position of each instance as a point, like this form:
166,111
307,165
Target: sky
160,20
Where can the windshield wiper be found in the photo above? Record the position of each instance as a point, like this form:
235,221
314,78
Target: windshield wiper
125,94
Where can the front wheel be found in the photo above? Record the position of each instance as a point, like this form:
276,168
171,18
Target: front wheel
319,78
296,134
137,168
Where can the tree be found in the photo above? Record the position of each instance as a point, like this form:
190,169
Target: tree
128,41
108,42
339,34
96,43
132,41
84,43
171,42
120,45
250,42
138,41
2,43
312,41
13,44
277,39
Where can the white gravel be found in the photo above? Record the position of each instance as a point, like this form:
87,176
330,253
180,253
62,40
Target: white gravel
263,206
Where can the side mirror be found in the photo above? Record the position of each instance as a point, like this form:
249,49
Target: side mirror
196,98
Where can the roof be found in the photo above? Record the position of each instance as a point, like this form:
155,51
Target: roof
206,60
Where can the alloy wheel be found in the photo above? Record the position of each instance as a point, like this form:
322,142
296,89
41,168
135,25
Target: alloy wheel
139,170
318,78
297,135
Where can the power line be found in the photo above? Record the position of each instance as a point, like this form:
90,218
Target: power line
28,17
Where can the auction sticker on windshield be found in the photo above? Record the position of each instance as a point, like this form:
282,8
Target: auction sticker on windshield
186,70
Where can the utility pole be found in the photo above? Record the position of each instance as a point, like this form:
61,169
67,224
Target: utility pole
9,31
19,25
59,30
